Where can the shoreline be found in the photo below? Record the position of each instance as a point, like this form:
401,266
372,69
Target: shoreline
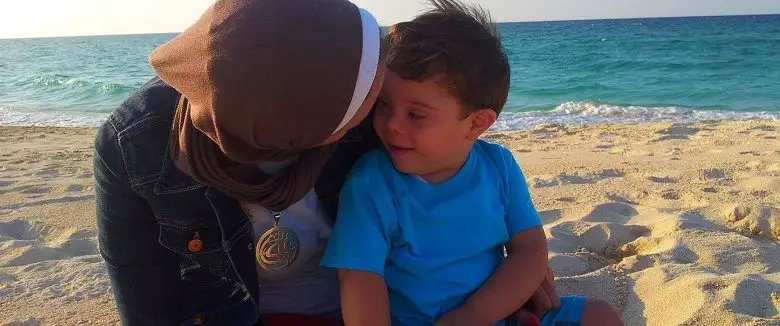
646,216
491,134
568,113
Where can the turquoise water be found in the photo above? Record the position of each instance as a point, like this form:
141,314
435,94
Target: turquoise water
678,69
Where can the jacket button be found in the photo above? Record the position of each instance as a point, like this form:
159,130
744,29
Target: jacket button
195,245
199,319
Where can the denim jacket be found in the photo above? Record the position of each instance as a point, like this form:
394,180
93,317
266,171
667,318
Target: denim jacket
149,213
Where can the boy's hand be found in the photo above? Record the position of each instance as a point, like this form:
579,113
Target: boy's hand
525,318
460,317
514,282
544,299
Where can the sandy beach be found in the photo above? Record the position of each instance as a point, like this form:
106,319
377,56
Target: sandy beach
674,224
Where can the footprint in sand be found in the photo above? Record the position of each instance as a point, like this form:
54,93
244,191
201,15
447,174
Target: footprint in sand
544,182
760,193
710,190
670,194
713,174
664,179
36,190
48,173
75,188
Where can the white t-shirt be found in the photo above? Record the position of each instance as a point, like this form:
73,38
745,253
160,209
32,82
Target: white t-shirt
302,287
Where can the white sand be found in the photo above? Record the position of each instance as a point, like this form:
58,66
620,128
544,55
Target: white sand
672,224
50,271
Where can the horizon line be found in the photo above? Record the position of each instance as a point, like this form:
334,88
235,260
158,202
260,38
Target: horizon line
500,22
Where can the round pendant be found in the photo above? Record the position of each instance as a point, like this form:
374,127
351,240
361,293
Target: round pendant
277,248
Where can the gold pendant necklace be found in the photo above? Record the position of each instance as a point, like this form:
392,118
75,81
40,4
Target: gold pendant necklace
278,247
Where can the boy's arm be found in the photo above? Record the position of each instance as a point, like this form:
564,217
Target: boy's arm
364,299
359,246
511,285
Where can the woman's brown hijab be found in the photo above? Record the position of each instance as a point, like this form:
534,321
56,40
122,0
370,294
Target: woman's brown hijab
268,80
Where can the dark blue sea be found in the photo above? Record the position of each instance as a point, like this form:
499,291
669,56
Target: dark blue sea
635,70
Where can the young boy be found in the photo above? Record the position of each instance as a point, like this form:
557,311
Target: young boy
423,224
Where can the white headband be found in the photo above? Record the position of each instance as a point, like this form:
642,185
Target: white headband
369,60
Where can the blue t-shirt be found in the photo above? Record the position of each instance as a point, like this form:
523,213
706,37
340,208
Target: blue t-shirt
435,244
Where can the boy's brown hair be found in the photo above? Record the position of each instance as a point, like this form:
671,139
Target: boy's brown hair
459,46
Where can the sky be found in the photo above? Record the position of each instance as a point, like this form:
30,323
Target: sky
44,18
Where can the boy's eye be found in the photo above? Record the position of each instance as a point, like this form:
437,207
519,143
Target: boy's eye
381,107
415,116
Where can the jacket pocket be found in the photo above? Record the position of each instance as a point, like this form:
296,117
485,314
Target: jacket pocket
199,246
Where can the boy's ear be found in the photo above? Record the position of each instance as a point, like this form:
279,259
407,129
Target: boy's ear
481,120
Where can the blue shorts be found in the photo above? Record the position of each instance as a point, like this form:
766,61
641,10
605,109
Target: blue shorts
568,314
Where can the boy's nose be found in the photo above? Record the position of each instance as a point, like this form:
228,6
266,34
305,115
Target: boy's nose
394,123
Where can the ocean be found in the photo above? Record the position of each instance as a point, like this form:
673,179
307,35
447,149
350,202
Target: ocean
570,72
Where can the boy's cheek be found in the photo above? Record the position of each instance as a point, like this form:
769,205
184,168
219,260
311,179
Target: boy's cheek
379,127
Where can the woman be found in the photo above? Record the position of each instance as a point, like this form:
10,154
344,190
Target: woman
217,183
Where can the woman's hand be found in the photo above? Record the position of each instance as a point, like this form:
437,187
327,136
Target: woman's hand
544,299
